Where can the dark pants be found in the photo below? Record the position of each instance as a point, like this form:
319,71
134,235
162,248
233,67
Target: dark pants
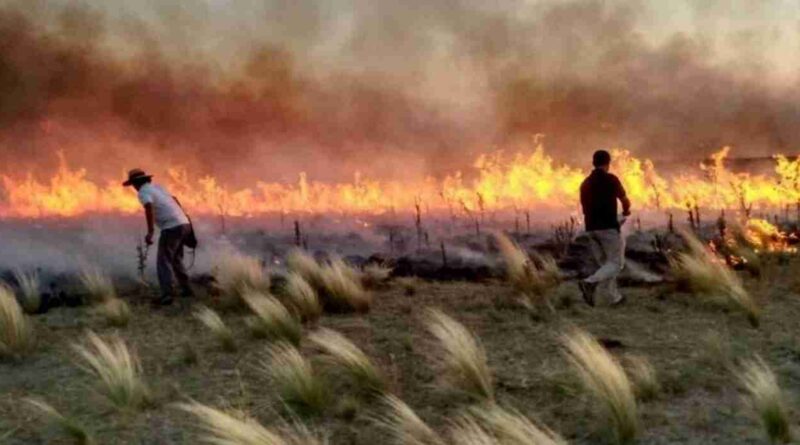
170,258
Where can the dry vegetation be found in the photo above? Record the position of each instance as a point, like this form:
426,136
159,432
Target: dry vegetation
766,399
297,383
339,286
272,320
532,277
77,432
221,332
237,274
30,290
350,359
97,284
16,330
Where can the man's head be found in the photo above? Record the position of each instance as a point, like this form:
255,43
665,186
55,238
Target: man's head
137,178
601,159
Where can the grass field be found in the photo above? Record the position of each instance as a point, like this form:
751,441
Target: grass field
695,349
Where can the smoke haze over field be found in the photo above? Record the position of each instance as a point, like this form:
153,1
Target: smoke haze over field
247,89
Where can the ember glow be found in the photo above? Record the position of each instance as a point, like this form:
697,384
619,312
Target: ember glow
502,183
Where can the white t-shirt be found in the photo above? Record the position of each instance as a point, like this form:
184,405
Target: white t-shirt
167,212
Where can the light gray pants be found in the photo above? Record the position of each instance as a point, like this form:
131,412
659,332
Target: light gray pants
608,249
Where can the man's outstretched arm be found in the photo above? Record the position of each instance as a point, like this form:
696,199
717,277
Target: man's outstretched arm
148,214
626,205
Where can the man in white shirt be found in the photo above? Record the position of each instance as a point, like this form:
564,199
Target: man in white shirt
163,210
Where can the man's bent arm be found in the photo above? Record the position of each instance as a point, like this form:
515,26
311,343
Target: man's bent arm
626,205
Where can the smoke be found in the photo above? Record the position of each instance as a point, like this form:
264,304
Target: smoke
246,89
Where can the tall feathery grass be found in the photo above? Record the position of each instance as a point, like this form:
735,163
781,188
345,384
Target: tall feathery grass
221,332
77,432
461,357
605,379
118,369
272,320
350,358
468,431
300,262
644,376
296,381
765,398
96,283
222,428
706,274
342,288
16,331
532,277
302,297
512,428
115,311
404,426
236,274
30,290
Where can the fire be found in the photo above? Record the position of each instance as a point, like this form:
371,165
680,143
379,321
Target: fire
528,181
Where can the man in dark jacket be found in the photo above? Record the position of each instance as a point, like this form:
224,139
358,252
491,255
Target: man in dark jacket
600,192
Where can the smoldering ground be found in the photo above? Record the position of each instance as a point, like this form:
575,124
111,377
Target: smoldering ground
247,90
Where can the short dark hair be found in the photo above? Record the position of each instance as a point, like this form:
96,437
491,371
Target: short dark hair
601,158
142,181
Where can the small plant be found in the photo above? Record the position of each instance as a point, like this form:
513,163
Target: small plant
512,428
306,266
462,357
30,290
16,331
350,358
644,377
223,428
302,297
299,386
532,277
706,274
375,275
115,311
405,427
236,274
117,368
409,285
467,431
272,319
77,432
342,288
765,398
97,284
221,332
605,379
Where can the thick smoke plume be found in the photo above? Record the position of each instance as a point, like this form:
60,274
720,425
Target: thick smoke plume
246,89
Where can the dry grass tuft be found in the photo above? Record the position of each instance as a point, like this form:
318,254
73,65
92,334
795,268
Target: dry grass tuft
302,297
705,273
766,399
512,428
350,358
605,379
221,428
236,274
467,431
342,290
375,275
404,426
30,290
644,376
117,368
115,311
306,266
300,388
221,332
97,284
272,320
16,331
77,432
533,277
462,357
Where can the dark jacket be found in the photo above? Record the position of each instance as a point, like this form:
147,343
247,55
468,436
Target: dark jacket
599,194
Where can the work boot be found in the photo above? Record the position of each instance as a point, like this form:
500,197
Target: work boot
587,290
187,292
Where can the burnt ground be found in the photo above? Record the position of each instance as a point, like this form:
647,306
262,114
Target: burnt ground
699,402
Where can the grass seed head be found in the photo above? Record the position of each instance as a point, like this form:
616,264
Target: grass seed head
272,319
374,275
117,368
16,331
350,358
30,290
236,274
97,283
605,379
302,297
221,332
765,398
404,426
512,428
342,290
462,357
77,432
300,388
115,311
